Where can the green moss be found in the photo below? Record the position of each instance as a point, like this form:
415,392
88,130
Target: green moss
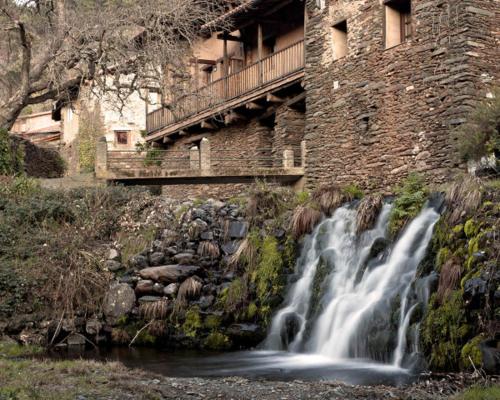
472,350
458,229
442,256
252,310
12,349
192,322
443,331
212,322
480,393
217,341
470,228
302,198
353,192
290,251
267,276
322,272
233,297
411,196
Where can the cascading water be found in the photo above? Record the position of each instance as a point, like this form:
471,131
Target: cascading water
354,295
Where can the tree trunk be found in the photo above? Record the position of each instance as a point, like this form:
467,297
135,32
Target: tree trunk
9,113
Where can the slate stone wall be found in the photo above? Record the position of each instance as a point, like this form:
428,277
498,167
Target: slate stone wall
378,114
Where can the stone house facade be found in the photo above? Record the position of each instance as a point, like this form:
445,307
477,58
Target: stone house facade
378,88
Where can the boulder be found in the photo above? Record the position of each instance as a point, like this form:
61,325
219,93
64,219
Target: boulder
246,335
183,258
118,302
75,340
156,259
169,273
149,299
158,288
93,327
114,255
205,301
230,247
113,265
138,261
490,351
237,229
144,286
171,289
474,292
207,235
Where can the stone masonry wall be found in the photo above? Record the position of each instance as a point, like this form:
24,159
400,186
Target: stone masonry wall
288,133
378,114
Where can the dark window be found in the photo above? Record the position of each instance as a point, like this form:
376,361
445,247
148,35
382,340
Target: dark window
121,137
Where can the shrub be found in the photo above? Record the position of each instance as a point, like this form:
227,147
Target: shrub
411,196
352,192
479,137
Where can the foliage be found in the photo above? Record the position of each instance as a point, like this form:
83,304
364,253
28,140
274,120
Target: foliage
444,330
480,393
91,128
480,136
217,341
212,321
411,196
472,353
353,192
269,269
235,296
192,322
11,159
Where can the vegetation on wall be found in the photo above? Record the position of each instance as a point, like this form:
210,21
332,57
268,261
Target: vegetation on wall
480,136
91,128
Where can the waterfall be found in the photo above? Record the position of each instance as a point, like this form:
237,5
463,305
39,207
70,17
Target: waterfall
353,296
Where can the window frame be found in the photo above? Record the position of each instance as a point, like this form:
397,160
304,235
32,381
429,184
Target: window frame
118,133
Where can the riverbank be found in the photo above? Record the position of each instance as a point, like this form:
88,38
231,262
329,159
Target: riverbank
28,377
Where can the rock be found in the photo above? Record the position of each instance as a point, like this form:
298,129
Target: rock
246,335
138,261
206,301
169,273
171,290
74,340
114,255
216,204
474,292
128,279
149,299
171,251
158,288
113,265
229,276
144,286
157,246
231,247
93,327
290,328
209,288
183,258
490,351
207,235
238,229
156,259
118,302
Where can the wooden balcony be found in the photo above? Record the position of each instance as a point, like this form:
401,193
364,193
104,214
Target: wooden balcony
270,73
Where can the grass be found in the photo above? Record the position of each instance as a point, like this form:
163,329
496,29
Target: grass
480,393
304,219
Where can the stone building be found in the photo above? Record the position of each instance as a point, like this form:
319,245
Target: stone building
39,128
327,91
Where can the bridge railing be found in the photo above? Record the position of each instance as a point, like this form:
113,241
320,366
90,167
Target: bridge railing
200,157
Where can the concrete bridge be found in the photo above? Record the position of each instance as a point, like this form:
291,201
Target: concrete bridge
200,164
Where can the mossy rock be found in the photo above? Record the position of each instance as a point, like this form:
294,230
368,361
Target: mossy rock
217,341
192,322
472,352
471,228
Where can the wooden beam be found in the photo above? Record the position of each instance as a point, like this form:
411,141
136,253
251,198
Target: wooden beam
183,133
254,106
230,38
296,99
271,98
259,41
233,117
203,61
167,140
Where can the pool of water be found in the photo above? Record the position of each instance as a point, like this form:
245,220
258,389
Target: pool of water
252,365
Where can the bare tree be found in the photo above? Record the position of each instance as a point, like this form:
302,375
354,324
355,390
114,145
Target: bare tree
49,48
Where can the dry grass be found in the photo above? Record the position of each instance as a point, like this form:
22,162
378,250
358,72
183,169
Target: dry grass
154,310
368,211
328,198
450,276
247,253
463,197
157,328
209,248
264,201
304,219
189,289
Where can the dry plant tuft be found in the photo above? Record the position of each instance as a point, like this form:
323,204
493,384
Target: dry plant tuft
368,211
120,336
247,252
450,275
463,197
189,289
328,198
264,201
304,219
209,248
154,310
157,328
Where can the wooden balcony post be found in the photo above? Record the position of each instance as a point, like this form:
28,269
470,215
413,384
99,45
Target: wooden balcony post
101,158
288,161
205,154
260,50
303,151
194,157
225,69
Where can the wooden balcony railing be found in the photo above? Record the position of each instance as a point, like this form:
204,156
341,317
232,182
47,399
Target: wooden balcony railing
270,69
